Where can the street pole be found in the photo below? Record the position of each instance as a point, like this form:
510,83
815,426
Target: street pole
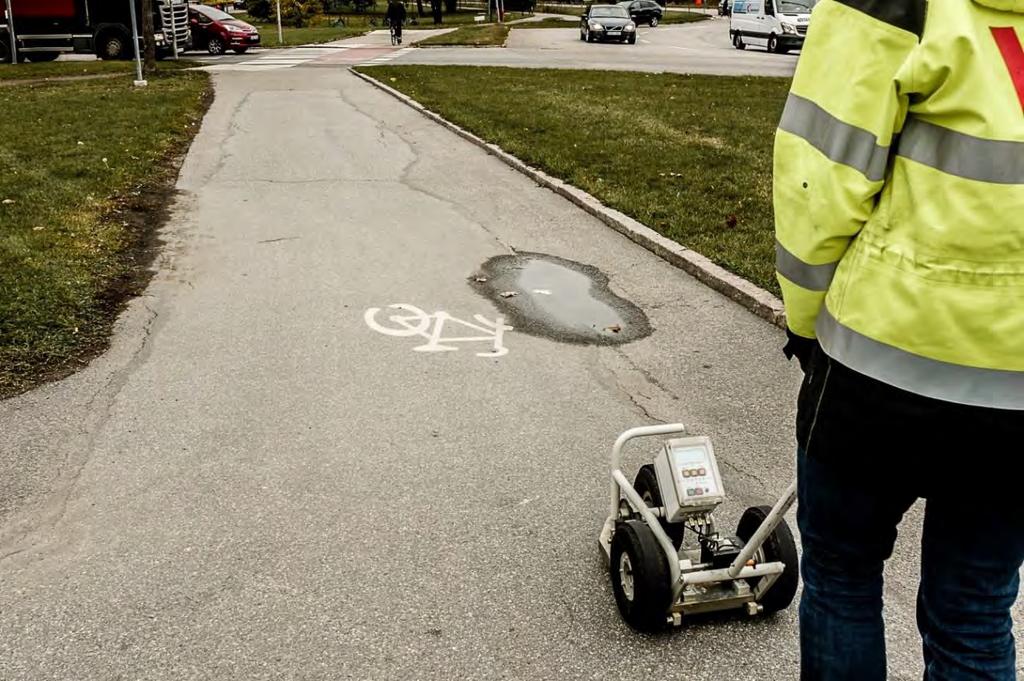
174,31
139,80
280,31
10,27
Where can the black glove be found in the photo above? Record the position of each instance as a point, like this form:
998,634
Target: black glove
801,348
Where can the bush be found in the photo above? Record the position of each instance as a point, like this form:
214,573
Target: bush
299,13
259,9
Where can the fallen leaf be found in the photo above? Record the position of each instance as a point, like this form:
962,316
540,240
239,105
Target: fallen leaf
614,328
731,221
509,294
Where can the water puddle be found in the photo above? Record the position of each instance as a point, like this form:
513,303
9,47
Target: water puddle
559,299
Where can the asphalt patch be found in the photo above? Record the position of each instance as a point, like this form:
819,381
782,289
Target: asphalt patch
559,299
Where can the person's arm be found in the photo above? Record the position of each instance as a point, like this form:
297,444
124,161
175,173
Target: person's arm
832,146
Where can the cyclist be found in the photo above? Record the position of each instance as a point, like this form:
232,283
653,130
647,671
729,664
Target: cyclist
395,17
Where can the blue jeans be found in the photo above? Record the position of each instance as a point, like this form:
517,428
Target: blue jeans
867,453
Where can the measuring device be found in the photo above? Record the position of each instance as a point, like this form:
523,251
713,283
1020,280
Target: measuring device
665,554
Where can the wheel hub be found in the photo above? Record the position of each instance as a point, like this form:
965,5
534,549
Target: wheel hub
626,577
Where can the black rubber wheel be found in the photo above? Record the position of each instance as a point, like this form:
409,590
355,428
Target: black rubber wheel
646,485
240,50
737,41
582,37
655,21
773,44
780,546
40,57
114,44
640,578
632,41
215,46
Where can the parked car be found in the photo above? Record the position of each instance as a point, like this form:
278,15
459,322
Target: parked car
644,11
607,22
218,31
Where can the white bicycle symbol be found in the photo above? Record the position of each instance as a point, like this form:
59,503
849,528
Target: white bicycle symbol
412,321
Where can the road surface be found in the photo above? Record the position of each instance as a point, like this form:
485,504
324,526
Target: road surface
253,483
702,47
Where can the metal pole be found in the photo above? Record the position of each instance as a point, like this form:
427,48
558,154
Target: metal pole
174,29
280,31
139,80
10,28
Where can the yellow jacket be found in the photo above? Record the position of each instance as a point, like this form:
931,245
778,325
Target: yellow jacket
899,194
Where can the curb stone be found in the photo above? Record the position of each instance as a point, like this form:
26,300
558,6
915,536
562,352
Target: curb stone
755,299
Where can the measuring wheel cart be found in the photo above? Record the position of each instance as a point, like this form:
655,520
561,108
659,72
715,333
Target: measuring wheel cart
665,555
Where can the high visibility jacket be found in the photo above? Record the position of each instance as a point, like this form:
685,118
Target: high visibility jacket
899,194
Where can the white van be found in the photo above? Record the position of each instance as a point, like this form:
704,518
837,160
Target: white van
777,25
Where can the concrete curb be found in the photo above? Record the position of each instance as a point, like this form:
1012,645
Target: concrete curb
757,300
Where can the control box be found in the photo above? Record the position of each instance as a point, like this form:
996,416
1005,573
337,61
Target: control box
688,477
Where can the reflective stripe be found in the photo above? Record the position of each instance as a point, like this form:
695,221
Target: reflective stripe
839,141
972,158
811,277
929,377
906,14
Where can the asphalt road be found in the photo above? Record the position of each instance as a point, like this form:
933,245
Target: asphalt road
254,483
702,47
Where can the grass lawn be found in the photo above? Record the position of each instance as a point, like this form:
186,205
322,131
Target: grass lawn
550,22
309,34
86,168
70,69
683,17
483,35
689,156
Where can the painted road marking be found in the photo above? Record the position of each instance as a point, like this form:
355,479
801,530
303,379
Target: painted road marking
415,322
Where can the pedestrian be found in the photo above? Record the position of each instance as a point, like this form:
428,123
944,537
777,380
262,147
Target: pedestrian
395,17
899,208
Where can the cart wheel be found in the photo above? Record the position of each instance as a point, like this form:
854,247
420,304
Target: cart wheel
640,578
780,546
646,485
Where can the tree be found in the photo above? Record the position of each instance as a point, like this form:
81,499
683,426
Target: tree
419,7
148,36
259,9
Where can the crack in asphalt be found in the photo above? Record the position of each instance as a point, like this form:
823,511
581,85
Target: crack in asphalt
405,176
70,471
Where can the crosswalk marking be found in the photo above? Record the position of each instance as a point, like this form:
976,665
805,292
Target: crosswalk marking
385,58
348,54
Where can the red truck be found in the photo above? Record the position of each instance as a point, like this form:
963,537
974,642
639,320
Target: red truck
45,29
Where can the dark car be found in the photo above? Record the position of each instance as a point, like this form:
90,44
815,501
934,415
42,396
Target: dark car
607,22
217,31
644,11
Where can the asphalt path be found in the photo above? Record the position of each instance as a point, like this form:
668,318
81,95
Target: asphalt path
254,483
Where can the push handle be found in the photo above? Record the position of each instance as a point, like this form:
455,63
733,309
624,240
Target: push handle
632,434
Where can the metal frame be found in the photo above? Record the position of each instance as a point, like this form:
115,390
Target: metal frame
681,573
